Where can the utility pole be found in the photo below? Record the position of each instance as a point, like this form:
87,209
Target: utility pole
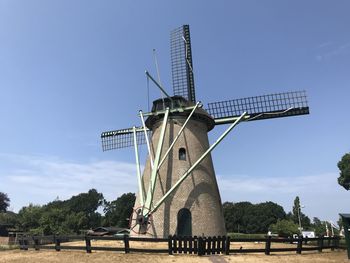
299,212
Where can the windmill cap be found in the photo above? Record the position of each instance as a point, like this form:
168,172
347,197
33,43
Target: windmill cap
178,102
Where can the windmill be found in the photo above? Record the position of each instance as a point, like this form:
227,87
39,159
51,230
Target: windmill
178,191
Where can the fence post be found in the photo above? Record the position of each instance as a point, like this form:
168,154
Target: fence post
195,245
320,243
222,245
214,246
170,245
25,243
36,243
218,245
208,247
267,245
21,243
190,244
126,244
185,246
88,244
333,243
179,244
200,246
57,244
300,245
175,239
336,242
227,245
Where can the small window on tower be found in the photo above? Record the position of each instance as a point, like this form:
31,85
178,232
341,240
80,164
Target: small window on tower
182,154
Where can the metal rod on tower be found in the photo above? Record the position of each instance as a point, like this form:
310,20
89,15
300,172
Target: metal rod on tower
150,193
139,178
157,68
189,171
146,137
158,85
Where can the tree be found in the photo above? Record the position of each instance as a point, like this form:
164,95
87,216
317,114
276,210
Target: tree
236,216
319,227
298,214
284,228
4,202
80,211
29,217
76,222
53,221
118,211
9,218
62,217
86,204
268,213
344,167
248,218
296,209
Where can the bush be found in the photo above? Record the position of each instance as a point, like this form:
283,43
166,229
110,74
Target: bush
284,228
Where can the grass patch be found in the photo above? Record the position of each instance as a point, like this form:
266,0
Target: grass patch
241,235
8,247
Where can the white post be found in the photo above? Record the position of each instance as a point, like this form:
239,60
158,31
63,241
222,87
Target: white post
139,179
147,140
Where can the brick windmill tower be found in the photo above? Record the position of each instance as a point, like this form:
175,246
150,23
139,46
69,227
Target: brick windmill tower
178,191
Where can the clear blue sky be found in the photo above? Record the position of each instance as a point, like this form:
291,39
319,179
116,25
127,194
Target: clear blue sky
72,69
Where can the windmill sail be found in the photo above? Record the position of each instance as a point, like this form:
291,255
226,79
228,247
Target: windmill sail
181,63
122,138
261,107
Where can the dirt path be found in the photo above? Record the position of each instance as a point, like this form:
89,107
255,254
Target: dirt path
32,256
16,256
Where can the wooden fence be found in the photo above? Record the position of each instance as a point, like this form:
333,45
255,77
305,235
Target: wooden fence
187,245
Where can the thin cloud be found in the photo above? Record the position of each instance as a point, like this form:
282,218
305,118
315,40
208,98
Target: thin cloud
40,179
275,184
320,193
325,44
332,50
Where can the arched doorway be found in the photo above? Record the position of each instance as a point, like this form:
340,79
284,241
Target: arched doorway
184,222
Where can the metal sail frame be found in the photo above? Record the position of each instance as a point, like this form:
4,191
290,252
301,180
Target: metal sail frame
260,107
181,63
